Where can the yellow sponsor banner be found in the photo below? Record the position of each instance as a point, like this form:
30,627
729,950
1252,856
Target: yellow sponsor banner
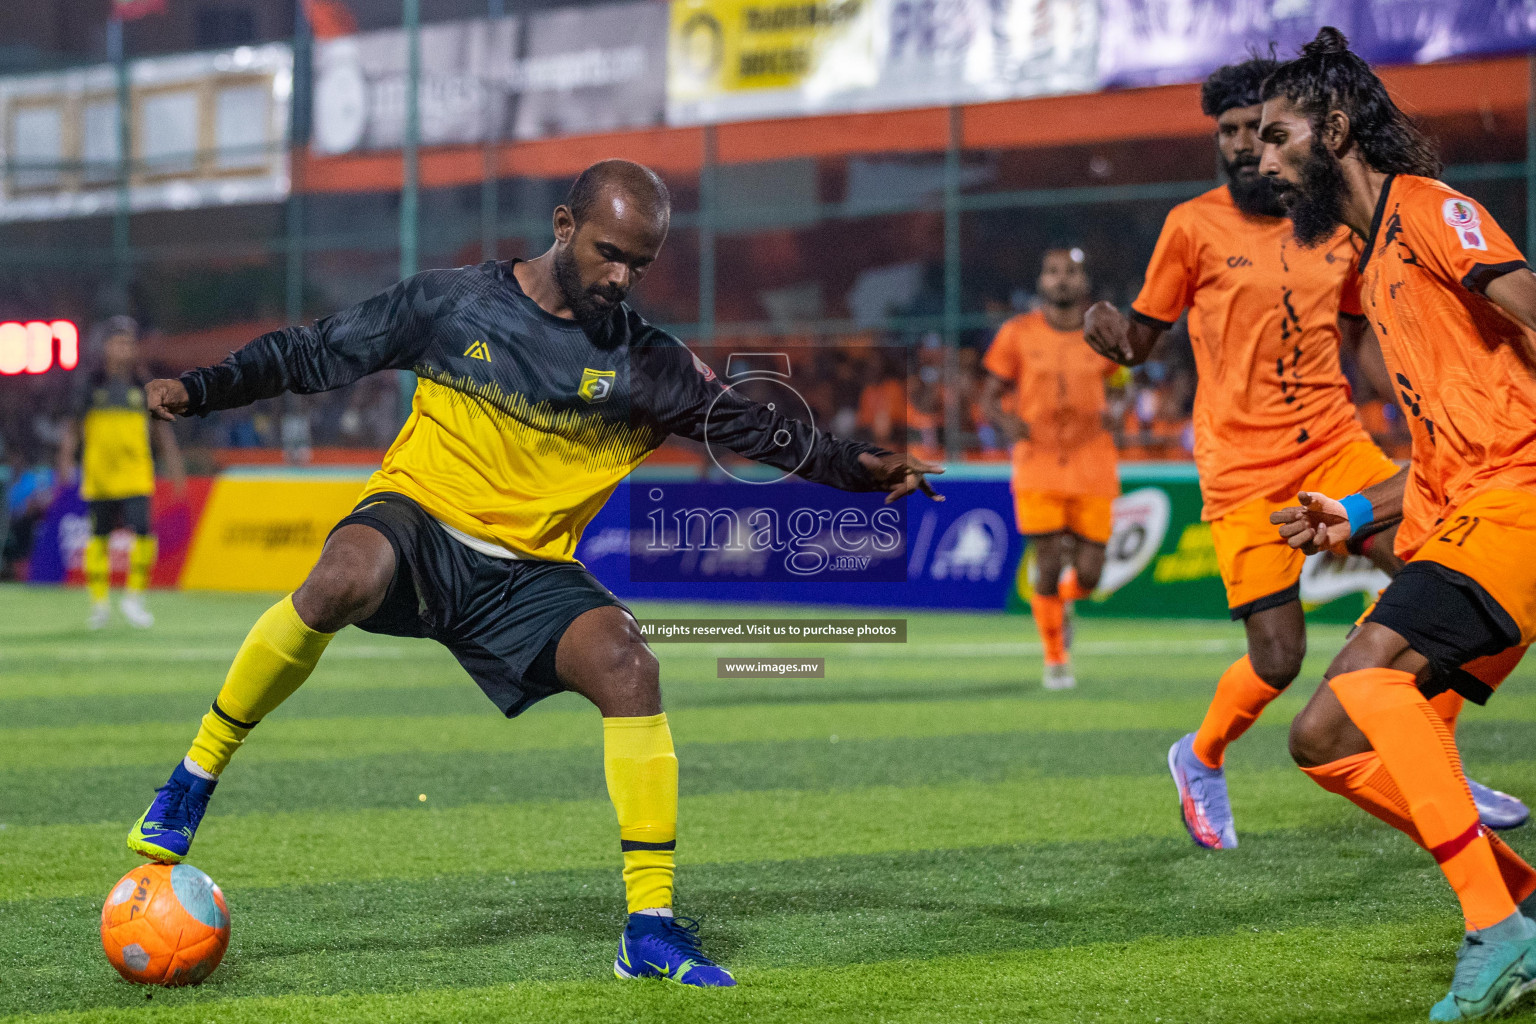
265,532
730,56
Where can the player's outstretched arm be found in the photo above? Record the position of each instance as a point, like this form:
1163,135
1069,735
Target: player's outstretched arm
684,397
1322,523
766,435
900,473
386,332
1116,336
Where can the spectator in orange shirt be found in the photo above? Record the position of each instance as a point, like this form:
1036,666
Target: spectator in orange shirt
883,407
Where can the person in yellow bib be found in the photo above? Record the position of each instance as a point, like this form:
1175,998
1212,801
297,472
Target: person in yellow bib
110,430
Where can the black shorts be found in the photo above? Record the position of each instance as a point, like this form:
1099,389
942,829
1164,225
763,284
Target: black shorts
1450,619
132,513
502,618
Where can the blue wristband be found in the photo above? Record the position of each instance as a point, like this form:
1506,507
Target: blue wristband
1361,514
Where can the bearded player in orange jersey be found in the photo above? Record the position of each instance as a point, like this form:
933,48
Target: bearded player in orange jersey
1273,416
1454,306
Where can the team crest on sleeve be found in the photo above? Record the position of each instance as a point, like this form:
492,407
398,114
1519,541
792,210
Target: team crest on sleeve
702,367
1463,218
596,385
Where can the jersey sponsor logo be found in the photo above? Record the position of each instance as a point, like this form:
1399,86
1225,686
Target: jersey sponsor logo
1463,218
596,385
1239,261
479,350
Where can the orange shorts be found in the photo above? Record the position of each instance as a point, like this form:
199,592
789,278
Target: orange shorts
1491,538
1260,570
1089,516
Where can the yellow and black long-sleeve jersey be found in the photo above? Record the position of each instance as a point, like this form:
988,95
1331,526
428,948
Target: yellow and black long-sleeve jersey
523,422
115,459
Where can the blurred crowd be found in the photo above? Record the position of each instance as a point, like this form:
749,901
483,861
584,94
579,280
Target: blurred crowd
897,389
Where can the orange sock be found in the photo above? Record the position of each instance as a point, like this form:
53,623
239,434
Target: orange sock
1049,619
1069,589
1364,781
1418,751
1448,706
1519,877
1240,698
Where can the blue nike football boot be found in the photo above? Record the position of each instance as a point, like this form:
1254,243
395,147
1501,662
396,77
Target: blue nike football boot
164,832
1496,809
1202,797
667,948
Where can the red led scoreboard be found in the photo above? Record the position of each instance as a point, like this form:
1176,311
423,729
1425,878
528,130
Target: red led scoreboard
37,346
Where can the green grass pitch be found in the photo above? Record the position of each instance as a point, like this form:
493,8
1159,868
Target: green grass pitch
924,835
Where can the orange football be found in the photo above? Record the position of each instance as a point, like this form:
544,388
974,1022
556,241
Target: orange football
165,924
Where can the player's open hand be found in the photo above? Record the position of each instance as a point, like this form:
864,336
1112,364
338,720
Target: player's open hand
900,474
1107,332
166,399
1319,523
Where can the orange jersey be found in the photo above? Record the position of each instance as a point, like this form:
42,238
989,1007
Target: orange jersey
1272,403
1058,390
1465,383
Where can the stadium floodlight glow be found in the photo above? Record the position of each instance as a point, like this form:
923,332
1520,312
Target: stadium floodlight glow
29,347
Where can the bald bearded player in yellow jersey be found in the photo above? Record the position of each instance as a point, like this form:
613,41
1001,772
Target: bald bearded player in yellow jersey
538,390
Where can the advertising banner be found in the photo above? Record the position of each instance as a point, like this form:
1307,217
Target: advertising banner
663,537
264,531
818,546
743,59
206,129
1161,563
570,71
59,545
1153,42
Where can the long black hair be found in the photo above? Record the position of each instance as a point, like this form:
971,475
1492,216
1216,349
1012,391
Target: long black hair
1328,76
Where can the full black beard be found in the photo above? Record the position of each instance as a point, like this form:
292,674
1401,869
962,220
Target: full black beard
588,312
1257,197
1316,206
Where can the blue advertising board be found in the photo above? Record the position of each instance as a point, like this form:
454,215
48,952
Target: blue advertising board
958,553
1156,42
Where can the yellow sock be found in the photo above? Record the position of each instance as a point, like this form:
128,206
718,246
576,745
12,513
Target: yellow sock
641,769
98,569
278,654
141,561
